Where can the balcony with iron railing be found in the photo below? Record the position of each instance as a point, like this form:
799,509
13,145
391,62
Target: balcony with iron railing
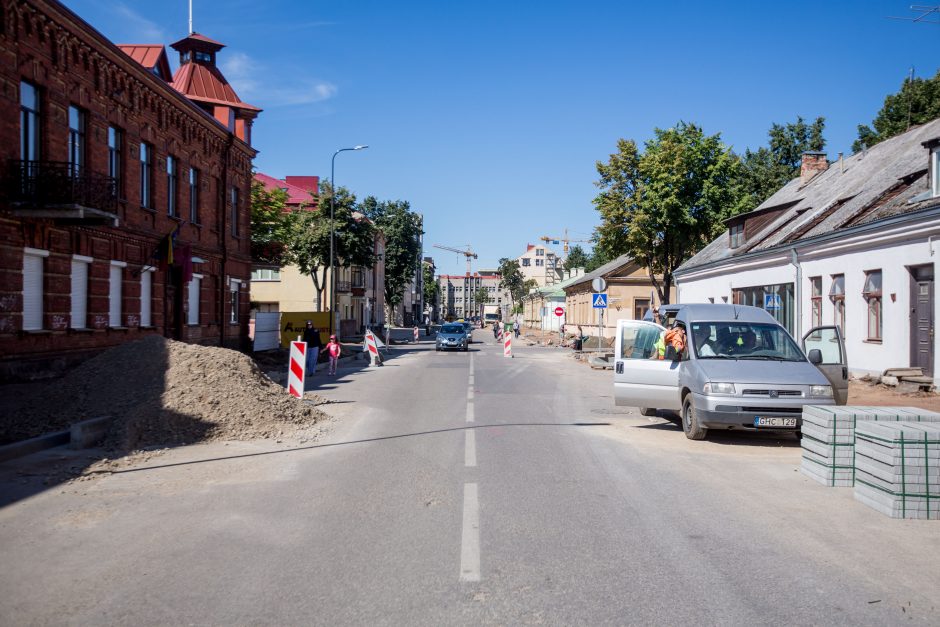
342,287
56,189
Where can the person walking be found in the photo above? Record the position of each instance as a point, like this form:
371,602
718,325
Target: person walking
515,329
314,344
333,351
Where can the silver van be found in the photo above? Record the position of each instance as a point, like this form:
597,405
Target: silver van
739,370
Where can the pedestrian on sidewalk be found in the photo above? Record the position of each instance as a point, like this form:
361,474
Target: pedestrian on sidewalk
515,328
333,351
314,344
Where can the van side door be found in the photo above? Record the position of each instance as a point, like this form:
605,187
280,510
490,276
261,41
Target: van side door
834,366
638,380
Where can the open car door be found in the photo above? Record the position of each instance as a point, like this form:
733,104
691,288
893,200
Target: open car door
638,380
830,343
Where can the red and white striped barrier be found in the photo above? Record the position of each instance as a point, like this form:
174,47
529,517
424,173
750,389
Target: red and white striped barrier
373,348
507,344
295,371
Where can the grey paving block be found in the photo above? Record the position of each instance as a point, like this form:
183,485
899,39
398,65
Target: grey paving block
897,506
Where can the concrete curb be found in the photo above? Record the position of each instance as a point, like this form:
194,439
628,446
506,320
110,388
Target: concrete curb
34,445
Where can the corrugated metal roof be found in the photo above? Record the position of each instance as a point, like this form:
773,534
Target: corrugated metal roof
205,83
874,184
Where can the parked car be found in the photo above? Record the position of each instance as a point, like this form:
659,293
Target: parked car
469,326
739,370
452,335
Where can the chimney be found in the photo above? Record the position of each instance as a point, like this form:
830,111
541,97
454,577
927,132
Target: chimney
813,163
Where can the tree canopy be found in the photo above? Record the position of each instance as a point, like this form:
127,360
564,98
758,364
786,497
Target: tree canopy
576,258
917,102
666,203
512,280
272,224
402,229
769,168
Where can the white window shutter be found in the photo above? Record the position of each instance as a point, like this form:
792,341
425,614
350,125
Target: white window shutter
146,281
194,285
32,292
114,296
79,294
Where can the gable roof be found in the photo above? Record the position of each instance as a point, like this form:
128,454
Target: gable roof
151,56
885,181
604,270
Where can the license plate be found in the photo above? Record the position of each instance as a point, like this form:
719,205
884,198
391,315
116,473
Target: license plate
763,421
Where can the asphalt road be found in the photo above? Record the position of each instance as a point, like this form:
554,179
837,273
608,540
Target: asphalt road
467,488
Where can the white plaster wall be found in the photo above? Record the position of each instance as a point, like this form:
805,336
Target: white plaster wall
892,258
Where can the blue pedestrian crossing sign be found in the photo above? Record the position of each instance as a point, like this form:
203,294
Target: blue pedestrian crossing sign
600,301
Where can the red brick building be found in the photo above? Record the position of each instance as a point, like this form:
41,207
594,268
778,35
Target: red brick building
109,165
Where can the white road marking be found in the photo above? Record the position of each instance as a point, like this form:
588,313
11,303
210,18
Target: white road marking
470,394
470,538
470,449
471,366
470,412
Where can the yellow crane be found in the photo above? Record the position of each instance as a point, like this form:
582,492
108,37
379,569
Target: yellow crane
564,240
470,255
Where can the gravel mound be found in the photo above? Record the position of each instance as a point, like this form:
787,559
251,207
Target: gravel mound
162,393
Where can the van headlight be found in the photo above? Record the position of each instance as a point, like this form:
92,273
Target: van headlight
718,388
820,391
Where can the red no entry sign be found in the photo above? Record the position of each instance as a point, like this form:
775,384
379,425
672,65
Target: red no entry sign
559,311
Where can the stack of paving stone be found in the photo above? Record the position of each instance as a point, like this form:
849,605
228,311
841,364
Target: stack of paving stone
897,468
829,438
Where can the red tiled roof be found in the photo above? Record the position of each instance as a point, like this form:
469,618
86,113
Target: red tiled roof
295,195
151,56
204,83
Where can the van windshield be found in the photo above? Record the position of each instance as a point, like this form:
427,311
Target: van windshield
743,340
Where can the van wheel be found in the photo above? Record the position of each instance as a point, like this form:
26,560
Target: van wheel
647,411
690,424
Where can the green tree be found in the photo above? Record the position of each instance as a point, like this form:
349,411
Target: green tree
402,229
917,102
769,168
576,258
598,258
665,204
430,287
512,280
480,298
309,248
273,225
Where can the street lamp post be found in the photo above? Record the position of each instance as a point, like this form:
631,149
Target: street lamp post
333,308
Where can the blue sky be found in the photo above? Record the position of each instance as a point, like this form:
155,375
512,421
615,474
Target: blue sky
488,117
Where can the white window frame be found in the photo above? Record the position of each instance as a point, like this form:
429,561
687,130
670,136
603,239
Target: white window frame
193,294
146,297
234,300
79,279
935,172
34,291
116,293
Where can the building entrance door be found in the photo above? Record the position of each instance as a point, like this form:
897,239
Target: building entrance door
922,319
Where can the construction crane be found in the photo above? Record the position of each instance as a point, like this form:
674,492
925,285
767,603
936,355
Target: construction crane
565,240
468,253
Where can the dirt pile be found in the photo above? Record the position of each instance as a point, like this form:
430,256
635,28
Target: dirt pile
162,393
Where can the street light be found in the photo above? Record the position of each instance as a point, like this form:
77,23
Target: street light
333,326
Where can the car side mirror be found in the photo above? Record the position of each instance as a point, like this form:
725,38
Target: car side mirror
815,356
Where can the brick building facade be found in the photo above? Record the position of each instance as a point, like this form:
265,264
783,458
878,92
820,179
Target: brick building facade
103,160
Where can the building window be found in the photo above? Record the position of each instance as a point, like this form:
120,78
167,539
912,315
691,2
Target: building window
837,296
526,262
736,233
76,141
115,159
539,252
816,301
203,57
266,274
171,186
872,293
192,317
146,294
233,302
539,262
29,122
116,293
776,299
79,313
194,195
640,306
33,266
935,172
234,200
146,172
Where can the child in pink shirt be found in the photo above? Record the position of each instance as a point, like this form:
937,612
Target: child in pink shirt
333,350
